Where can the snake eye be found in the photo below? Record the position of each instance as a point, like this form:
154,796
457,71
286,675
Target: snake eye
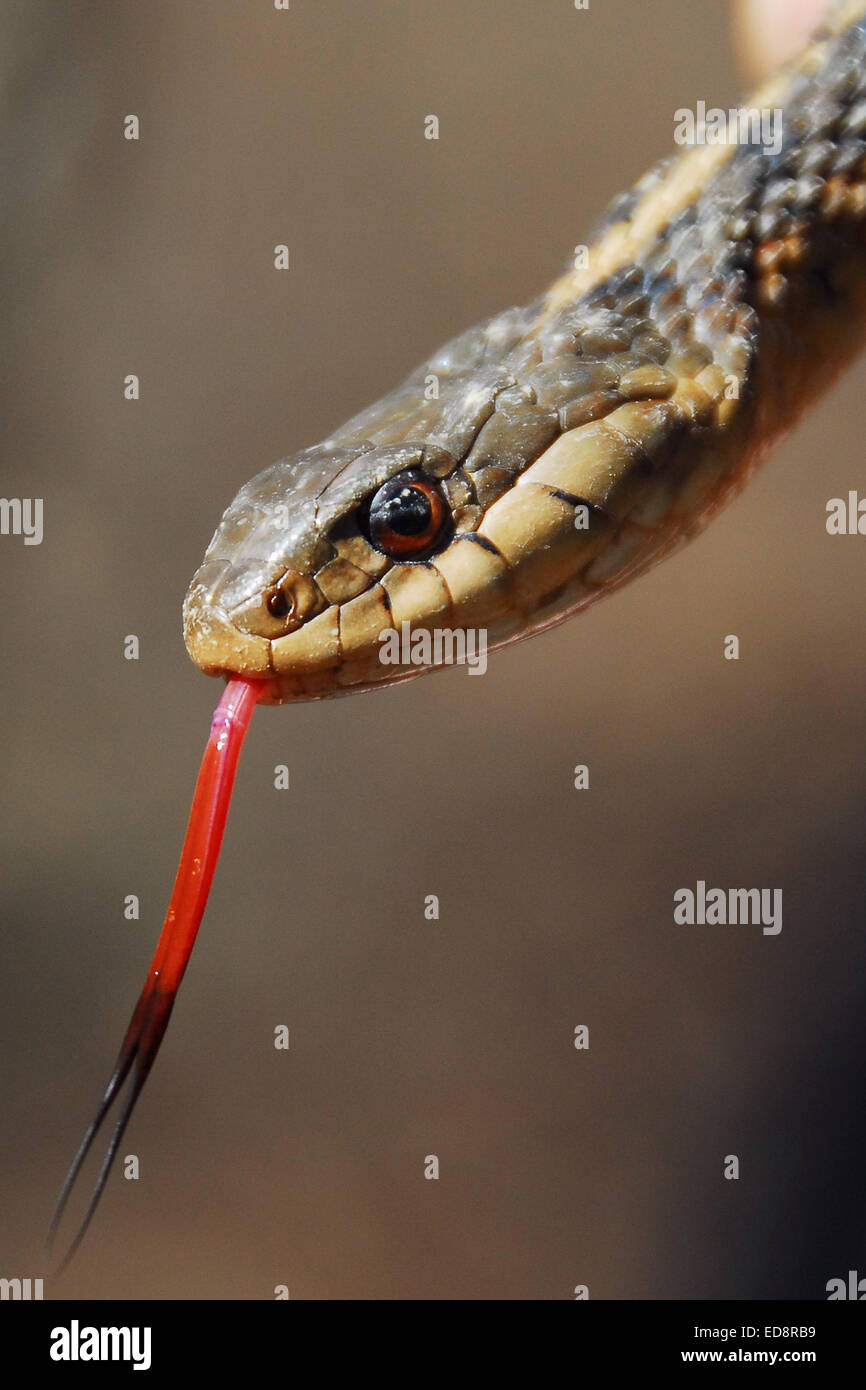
408,518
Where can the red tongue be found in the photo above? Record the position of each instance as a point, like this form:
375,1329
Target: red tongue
198,860
204,833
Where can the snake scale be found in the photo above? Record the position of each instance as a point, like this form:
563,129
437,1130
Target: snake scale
558,450
538,461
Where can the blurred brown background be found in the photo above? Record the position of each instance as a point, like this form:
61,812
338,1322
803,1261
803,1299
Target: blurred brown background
408,1037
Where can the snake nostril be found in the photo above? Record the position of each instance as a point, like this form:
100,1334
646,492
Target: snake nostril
279,603
291,601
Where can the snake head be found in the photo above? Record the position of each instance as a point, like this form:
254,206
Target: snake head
407,515
543,471
322,554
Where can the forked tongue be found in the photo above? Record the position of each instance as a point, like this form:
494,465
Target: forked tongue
198,860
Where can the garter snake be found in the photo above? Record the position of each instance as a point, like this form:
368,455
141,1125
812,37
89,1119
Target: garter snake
556,451
540,460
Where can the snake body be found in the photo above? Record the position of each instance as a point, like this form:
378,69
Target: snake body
567,446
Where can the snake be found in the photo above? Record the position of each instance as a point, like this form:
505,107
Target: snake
540,460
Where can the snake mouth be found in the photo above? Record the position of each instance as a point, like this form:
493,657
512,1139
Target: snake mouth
231,629
220,636
220,648
217,646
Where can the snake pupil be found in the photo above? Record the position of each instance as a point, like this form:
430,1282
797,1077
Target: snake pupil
408,512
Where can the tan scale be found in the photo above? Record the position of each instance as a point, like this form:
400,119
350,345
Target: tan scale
477,581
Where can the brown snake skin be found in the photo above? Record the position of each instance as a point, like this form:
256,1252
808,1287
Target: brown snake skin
574,442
